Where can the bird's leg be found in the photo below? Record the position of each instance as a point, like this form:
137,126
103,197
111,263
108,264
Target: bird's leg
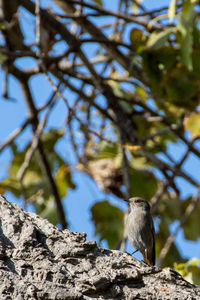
146,257
134,252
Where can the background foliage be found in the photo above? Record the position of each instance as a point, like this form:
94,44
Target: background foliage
133,76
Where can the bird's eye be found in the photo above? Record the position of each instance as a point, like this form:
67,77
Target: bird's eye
138,200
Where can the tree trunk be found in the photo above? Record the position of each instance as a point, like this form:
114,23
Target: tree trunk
38,261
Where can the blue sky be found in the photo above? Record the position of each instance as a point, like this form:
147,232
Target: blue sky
77,203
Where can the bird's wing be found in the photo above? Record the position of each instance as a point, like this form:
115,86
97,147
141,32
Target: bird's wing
153,248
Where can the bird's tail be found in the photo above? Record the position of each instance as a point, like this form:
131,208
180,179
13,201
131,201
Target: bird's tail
149,256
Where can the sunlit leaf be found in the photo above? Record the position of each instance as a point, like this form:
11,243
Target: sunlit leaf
137,39
141,93
186,51
63,180
12,185
131,147
109,222
189,270
186,17
106,150
31,177
185,26
192,123
158,40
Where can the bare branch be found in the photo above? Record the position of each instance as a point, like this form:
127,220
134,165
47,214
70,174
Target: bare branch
34,145
171,238
127,18
14,134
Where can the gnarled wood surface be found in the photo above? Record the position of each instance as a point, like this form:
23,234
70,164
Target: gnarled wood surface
37,261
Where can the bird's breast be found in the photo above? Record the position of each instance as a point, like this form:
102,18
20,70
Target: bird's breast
137,226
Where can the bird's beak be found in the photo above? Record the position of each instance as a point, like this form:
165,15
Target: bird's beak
126,200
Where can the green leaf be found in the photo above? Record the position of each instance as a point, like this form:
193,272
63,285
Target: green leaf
46,209
12,185
63,180
169,206
186,18
190,270
143,183
137,39
191,227
2,190
185,26
17,161
49,140
34,182
158,40
51,137
141,93
192,123
181,88
196,35
2,57
186,51
157,64
151,68
2,26
31,177
109,222
161,237
106,150
172,10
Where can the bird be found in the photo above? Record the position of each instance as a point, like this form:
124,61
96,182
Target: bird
140,229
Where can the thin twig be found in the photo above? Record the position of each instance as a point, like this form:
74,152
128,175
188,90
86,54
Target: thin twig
38,25
127,18
35,141
161,190
15,134
51,99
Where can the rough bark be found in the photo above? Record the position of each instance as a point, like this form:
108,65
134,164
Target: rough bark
38,261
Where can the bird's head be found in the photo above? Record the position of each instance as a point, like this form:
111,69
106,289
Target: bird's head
137,202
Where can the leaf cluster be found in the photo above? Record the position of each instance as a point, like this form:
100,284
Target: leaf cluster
129,79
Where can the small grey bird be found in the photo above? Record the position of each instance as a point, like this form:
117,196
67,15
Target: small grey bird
140,229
